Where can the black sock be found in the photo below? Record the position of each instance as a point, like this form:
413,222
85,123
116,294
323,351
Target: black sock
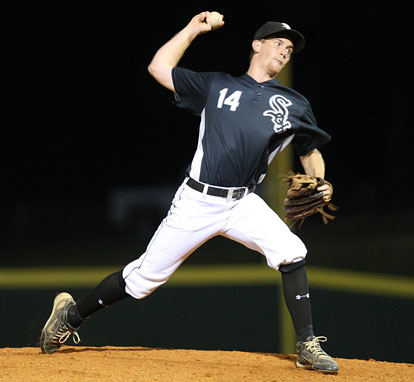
110,290
297,298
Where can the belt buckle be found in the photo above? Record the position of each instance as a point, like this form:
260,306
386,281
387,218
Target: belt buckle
236,194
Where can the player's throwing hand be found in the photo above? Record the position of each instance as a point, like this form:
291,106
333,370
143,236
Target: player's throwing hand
206,21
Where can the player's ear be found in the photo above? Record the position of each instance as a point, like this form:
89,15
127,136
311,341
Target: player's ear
256,45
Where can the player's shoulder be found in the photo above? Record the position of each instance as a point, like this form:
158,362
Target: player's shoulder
180,73
220,80
299,97
224,77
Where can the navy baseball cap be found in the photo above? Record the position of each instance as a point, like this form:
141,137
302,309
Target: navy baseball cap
276,29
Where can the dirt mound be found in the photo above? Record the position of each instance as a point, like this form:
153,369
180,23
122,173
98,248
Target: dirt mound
87,364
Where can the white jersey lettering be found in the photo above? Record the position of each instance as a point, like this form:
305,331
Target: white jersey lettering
232,100
279,113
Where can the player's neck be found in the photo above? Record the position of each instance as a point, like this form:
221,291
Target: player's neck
260,75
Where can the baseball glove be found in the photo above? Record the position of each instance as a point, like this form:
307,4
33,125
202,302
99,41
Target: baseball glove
303,199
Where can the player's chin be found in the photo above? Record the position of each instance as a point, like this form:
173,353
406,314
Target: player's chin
276,68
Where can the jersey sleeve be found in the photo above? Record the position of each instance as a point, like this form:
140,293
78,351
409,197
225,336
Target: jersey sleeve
191,89
309,136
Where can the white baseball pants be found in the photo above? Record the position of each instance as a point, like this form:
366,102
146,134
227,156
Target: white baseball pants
193,219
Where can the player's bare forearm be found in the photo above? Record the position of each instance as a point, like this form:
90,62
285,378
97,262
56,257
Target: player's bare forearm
314,164
170,54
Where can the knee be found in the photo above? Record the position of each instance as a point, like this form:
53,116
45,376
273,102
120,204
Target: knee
140,284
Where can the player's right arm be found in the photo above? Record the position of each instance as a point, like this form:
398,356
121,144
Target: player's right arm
168,56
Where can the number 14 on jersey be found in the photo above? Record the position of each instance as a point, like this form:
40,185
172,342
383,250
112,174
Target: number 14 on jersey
232,100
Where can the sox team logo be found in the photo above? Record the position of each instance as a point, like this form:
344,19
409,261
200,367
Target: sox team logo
279,113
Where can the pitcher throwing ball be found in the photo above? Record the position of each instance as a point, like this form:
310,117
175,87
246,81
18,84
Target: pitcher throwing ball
244,123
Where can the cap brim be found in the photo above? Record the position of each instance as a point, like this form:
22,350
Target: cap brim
293,35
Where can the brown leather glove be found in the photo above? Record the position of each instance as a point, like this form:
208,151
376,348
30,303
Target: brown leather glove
303,199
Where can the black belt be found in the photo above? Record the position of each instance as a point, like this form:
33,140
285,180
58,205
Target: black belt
228,193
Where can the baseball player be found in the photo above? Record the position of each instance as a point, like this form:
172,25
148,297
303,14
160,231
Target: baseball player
244,122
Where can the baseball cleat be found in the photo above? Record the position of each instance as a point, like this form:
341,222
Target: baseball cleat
311,356
57,330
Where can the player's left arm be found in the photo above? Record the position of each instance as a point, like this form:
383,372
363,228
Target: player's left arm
314,164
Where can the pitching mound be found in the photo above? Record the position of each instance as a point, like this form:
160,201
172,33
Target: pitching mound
87,364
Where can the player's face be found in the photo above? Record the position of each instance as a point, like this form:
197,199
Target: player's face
275,54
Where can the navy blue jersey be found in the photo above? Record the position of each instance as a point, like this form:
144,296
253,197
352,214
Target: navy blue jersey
244,124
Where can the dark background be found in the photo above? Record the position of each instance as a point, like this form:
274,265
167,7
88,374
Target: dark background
83,124
82,119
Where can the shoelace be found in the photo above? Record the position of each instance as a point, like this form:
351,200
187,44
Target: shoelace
64,333
315,348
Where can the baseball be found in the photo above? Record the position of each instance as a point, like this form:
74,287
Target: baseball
215,19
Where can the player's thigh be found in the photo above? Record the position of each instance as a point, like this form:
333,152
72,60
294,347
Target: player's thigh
169,247
167,250
186,227
258,227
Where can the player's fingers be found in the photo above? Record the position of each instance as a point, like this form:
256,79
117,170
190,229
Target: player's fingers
324,187
326,192
327,196
200,23
203,16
